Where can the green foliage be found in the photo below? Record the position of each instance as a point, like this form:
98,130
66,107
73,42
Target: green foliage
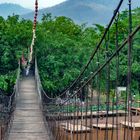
15,37
3,83
63,48
7,81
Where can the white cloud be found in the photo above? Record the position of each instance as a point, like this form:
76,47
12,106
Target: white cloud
30,3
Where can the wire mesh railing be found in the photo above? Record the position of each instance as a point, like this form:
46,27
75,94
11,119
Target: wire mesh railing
100,104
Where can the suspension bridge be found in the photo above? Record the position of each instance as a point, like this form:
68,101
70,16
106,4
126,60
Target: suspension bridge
82,111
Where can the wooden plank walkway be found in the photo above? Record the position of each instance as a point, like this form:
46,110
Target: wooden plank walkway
28,120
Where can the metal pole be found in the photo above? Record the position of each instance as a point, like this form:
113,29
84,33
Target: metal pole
117,74
129,66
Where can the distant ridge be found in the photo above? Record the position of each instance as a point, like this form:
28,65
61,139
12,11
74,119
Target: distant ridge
83,11
7,9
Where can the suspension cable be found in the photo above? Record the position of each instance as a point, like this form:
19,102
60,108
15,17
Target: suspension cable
96,49
106,63
93,53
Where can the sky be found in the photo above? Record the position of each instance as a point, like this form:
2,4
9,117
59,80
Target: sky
30,3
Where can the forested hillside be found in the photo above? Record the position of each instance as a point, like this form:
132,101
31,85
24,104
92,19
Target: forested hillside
62,49
84,11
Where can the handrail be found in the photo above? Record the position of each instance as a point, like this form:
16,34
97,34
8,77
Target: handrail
113,55
16,86
93,75
39,85
97,47
7,111
96,103
92,55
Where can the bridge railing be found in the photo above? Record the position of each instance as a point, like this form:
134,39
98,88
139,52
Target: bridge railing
92,113
99,104
7,107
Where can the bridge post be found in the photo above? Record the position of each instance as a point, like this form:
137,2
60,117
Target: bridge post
129,92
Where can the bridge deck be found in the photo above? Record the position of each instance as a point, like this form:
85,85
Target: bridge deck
28,120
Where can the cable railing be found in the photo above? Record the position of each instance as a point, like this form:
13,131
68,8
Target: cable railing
87,113
74,84
100,106
7,107
82,76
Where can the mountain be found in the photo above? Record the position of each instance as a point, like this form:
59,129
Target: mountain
7,9
84,11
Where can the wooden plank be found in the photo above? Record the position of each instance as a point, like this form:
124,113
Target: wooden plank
136,109
94,114
103,126
28,136
75,128
131,125
28,120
